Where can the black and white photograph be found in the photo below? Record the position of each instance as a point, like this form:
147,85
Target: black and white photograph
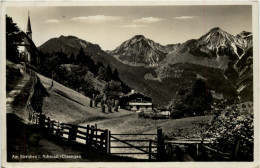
130,83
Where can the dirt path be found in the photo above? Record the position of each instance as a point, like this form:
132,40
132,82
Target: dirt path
11,95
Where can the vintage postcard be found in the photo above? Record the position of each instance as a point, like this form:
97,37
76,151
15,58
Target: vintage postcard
130,84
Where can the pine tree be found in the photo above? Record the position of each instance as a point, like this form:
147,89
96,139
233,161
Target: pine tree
80,57
116,75
13,36
109,74
72,58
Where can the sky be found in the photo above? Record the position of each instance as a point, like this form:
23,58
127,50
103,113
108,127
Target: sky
109,26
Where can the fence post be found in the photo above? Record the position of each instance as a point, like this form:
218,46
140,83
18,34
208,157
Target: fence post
60,131
49,124
42,120
150,149
87,135
91,137
106,141
96,134
160,145
72,133
109,142
52,126
36,119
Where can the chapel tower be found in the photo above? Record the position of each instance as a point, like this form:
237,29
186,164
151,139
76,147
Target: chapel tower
29,29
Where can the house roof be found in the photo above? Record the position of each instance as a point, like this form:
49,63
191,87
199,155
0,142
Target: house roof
27,39
135,93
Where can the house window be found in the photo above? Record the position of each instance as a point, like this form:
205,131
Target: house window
139,99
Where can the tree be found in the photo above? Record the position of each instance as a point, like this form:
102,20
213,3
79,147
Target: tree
112,89
72,58
101,73
109,74
13,36
85,60
80,57
191,102
201,98
125,88
116,75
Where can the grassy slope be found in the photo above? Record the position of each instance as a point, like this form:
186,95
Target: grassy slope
77,110
185,127
74,109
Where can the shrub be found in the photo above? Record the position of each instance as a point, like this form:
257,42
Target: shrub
232,130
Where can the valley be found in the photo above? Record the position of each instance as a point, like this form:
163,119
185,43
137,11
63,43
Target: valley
145,65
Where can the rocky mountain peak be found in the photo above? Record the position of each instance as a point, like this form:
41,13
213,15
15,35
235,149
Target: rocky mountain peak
142,50
69,44
138,37
244,34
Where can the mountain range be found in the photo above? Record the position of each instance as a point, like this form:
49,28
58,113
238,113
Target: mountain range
160,70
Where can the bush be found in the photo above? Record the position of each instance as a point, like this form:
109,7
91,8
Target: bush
232,130
175,114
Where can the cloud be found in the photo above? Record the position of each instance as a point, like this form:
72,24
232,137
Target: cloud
53,21
148,20
185,17
97,19
133,26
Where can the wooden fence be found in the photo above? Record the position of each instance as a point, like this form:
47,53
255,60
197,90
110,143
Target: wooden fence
138,144
102,139
87,135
